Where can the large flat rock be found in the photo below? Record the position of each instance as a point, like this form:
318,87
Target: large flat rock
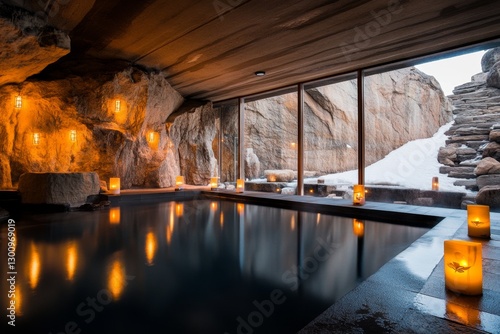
58,188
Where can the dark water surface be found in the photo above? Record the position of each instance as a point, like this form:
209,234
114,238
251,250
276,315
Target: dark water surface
199,266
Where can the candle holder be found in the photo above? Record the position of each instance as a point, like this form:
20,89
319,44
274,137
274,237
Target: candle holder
179,182
114,185
240,185
463,268
358,194
478,221
214,183
435,183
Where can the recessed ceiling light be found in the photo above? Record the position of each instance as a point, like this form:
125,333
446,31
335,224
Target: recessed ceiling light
260,73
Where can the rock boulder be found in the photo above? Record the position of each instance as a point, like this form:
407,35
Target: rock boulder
493,77
490,58
489,195
487,166
58,188
282,175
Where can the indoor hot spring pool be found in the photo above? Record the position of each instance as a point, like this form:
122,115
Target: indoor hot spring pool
200,266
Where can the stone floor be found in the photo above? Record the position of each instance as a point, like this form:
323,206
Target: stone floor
407,295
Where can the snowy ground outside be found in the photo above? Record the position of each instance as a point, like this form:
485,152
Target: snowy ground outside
412,165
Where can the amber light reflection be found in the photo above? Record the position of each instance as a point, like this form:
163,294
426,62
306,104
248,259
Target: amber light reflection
170,227
466,315
34,267
151,246
358,227
114,215
179,209
116,279
71,260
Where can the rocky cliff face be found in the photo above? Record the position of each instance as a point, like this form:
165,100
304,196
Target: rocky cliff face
472,152
400,106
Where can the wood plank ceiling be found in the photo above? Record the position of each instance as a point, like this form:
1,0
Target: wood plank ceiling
210,49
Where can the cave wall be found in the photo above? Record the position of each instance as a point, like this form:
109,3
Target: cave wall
136,143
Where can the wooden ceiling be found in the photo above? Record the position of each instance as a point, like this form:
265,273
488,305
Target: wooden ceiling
210,49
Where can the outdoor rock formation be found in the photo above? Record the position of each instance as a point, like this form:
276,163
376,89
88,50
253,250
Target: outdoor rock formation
27,45
472,151
400,106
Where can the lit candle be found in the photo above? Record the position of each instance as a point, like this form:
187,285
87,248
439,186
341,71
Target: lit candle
478,221
358,197
240,185
114,185
435,183
463,269
118,105
151,137
179,182
214,184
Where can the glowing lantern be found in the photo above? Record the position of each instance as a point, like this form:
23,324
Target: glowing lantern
151,137
240,185
36,138
114,215
358,227
19,102
118,105
463,271
179,182
114,185
72,136
435,183
478,221
214,184
358,195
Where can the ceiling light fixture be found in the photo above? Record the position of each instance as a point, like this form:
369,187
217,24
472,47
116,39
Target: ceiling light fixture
260,73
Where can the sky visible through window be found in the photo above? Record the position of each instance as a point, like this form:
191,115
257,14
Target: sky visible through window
455,71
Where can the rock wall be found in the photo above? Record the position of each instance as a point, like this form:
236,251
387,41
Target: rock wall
136,143
472,151
400,106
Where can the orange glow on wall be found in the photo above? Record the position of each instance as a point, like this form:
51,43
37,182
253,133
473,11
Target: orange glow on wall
36,138
152,137
116,279
19,102
72,136
240,185
114,185
463,268
358,227
478,221
114,215
358,194
435,183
